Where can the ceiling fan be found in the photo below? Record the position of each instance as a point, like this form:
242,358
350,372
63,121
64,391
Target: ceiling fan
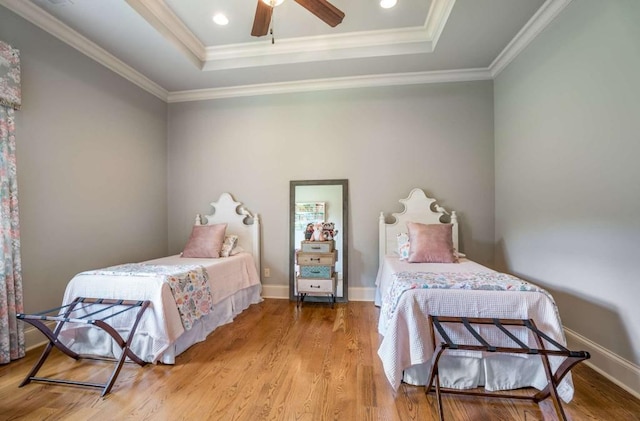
330,14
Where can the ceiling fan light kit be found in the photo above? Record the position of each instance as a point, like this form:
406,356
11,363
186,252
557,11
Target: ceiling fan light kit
324,10
388,4
220,19
273,3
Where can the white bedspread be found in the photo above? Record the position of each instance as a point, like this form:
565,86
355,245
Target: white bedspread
406,349
161,324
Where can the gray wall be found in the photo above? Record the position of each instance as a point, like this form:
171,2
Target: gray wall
91,157
567,115
385,141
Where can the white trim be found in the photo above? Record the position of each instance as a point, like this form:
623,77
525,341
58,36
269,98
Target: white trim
33,338
275,291
282,292
362,294
161,17
318,48
45,21
437,17
392,79
421,39
622,372
412,40
542,18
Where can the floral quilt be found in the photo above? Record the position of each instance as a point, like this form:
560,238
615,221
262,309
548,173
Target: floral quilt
189,285
489,281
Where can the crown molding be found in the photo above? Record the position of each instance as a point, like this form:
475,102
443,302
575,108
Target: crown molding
393,79
538,22
162,18
414,40
55,27
319,48
437,17
411,39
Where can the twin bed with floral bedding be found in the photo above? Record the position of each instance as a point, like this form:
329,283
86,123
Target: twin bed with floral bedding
213,280
421,273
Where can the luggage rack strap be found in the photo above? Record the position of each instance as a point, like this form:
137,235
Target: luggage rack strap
553,378
63,314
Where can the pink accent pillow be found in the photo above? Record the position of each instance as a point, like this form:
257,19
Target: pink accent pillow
430,243
205,241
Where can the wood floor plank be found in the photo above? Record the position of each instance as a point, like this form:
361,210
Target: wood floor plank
279,362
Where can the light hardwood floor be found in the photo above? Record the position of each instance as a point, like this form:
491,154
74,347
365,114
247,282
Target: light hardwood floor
278,362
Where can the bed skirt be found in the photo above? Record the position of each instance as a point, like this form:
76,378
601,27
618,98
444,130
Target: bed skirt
90,340
496,372
223,313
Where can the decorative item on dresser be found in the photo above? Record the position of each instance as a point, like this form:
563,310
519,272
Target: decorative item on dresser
316,276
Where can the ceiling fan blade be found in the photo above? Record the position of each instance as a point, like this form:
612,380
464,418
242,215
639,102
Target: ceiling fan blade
262,19
326,11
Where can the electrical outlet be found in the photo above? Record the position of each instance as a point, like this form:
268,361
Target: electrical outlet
267,272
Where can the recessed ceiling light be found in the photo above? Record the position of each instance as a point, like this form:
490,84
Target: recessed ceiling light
273,3
220,19
388,4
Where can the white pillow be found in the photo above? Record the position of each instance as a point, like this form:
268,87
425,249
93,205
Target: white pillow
230,242
403,246
236,250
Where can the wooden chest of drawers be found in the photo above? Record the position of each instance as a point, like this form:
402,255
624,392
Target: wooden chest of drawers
316,259
316,276
317,285
317,246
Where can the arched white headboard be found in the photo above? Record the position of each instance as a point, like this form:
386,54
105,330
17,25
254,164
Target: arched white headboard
239,222
417,208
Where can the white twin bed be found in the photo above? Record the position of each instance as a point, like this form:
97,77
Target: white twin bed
461,289
231,284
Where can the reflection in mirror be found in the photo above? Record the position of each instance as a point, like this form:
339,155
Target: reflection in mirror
313,201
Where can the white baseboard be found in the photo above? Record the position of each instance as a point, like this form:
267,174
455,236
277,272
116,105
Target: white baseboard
275,291
282,292
362,294
622,372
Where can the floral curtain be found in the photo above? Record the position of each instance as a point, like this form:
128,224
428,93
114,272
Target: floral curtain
11,332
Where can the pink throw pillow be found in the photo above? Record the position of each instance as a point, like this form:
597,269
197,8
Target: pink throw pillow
205,241
430,243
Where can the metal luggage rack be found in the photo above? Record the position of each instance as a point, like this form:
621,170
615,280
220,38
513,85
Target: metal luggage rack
554,378
82,303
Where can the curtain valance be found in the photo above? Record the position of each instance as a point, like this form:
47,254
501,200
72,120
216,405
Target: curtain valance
10,94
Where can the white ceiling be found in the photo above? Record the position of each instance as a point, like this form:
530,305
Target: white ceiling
172,48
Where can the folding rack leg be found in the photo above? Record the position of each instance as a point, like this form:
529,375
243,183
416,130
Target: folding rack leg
434,375
551,385
125,346
571,358
53,342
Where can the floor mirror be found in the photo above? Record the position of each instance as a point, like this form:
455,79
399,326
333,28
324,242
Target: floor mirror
314,202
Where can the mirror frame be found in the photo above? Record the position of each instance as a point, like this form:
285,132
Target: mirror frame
343,235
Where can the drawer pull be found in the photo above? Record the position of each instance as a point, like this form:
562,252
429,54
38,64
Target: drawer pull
314,286
317,259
